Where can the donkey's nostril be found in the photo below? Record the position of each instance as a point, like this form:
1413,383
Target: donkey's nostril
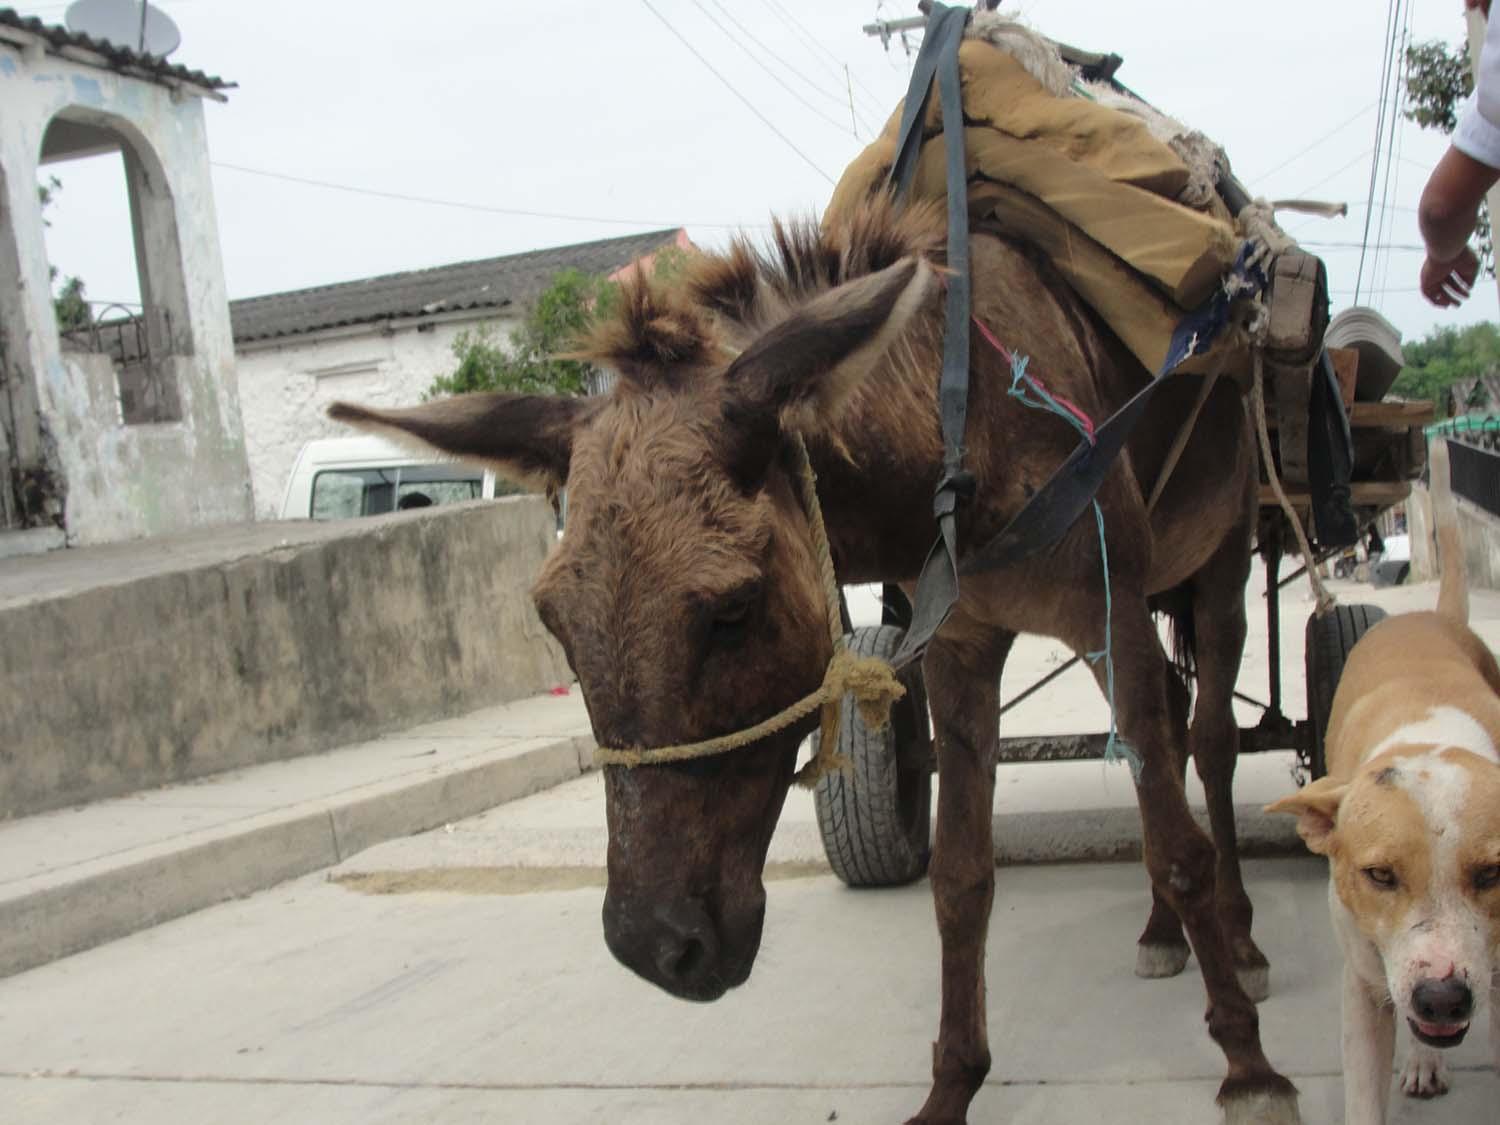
686,944
679,961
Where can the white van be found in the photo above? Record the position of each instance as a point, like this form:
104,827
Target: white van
339,478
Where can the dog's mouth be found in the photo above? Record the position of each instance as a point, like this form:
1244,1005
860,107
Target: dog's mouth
1440,1035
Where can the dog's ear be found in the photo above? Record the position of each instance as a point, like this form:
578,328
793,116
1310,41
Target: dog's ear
1316,808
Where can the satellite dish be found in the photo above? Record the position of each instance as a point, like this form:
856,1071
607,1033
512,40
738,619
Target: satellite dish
132,24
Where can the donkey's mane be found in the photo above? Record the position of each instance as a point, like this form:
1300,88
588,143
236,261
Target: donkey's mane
658,330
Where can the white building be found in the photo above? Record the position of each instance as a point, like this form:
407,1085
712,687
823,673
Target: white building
132,430
383,340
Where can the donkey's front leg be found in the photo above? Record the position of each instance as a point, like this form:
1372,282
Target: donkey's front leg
963,690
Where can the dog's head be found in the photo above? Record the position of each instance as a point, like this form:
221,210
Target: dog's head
1414,844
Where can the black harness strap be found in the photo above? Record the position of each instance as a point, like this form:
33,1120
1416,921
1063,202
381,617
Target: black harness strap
937,588
1057,505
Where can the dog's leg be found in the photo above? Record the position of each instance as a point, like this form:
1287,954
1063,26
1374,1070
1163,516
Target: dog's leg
963,690
1425,1074
1369,1045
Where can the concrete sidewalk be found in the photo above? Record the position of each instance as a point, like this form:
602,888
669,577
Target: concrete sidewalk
317,1004
74,878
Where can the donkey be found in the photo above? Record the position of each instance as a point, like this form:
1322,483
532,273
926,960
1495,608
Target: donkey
687,599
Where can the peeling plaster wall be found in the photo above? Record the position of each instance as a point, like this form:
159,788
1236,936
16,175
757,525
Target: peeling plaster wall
137,480
285,389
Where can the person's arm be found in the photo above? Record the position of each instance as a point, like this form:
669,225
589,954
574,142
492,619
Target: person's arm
1447,214
1450,202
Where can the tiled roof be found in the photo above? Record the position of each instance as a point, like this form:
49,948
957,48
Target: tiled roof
489,283
105,53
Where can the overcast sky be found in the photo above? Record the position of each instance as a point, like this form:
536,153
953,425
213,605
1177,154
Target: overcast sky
610,117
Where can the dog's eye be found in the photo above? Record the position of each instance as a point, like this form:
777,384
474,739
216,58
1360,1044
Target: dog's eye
1382,877
1487,878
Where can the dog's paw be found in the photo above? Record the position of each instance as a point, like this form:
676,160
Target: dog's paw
1425,1074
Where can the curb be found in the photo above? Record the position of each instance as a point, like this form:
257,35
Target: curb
58,914
1105,835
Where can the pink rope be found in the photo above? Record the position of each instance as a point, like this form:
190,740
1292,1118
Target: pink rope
1083,419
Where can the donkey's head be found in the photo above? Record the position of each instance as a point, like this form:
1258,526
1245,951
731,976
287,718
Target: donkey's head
685,590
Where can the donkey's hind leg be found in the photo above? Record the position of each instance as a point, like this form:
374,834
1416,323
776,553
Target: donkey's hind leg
1181,861
1214,739
1162,949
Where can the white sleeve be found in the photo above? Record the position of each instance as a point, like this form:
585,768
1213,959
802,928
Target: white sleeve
1476,137
1478,132
1487,81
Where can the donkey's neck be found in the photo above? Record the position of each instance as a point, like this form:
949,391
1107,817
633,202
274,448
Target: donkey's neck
877,467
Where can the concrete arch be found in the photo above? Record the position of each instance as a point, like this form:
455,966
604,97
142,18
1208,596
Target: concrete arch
141,347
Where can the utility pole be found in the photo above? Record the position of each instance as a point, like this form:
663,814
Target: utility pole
884,28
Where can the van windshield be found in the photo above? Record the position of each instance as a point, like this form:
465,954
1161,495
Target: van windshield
345,493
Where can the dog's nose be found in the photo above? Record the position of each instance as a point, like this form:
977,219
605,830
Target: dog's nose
1446,1002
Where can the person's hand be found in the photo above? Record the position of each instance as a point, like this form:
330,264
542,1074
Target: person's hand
1446,284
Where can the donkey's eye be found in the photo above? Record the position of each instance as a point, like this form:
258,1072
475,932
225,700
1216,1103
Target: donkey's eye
1487,878
1382,877
731,617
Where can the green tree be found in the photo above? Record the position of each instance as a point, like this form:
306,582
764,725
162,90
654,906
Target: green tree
69,303
1437,80
530,364
1446,355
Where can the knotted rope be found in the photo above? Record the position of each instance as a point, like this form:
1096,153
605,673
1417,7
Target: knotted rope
871,681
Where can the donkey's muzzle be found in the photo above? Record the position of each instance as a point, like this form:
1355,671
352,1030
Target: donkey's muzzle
677,947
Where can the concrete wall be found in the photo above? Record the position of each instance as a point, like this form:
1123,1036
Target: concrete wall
284,389
195,465
140,671
1481,535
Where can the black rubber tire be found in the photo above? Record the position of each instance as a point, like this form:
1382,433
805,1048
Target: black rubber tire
1330,639
876,818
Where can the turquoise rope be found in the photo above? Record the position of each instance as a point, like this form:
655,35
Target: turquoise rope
1115,748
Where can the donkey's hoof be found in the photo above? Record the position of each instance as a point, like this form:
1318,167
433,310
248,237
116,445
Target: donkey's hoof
1256,981
1156,961
1264,1106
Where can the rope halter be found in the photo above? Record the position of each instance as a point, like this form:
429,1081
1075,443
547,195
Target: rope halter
870,681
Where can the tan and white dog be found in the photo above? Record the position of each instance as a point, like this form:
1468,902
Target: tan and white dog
1409,818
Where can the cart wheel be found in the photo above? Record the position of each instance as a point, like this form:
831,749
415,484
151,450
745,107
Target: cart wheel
875,818
1329,641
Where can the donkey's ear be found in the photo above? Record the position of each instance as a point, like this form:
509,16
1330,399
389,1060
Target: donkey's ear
528,438
811,361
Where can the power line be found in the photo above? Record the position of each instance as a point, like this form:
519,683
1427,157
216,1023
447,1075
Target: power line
735,91
483,207
833,64
1388,246
1339,128
1340,169
1392,21
1387,221
836,98
839,125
